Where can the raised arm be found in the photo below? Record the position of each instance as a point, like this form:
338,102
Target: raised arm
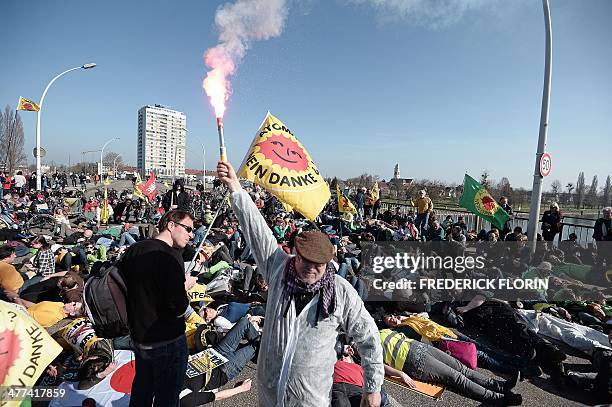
256,232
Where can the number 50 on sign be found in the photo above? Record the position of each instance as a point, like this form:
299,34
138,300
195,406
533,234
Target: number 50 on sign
545,164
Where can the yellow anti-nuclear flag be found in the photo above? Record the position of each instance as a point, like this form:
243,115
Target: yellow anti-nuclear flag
26,349
278,162
137,192
104,212
26,104
373,195
344,204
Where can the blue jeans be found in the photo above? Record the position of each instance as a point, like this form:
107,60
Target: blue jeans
359,286
353,262
75,257
160,374
228,347
246,254
30,282
492,359
234,245
342,270
126,238
105,241
198,235
422,222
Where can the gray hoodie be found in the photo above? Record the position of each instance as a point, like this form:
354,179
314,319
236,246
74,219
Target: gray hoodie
296,358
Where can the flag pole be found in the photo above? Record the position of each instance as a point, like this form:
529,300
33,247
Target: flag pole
222,151
197,251
536,193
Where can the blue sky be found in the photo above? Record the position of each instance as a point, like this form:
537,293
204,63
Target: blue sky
362,85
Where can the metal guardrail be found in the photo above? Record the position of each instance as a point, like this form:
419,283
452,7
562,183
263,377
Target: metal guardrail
582,227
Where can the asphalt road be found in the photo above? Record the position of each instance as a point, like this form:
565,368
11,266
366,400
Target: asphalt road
537,393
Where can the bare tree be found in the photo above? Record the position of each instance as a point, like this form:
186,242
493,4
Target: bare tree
580,191
592,194
555,187
396,185
484,179
364,180
504,188
607,192
570,188
11,140
110,157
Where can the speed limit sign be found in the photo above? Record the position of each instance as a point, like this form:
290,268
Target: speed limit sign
545,164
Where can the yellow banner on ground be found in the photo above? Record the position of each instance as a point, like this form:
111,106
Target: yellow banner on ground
344,204
278,162
26,349
198,293
137,192
26,104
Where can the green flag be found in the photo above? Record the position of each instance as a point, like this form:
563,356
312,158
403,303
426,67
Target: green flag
479,201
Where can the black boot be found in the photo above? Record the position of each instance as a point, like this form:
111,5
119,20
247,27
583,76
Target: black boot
530,371
513,399
512,382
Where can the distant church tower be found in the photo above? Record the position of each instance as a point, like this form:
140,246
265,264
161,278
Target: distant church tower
396,172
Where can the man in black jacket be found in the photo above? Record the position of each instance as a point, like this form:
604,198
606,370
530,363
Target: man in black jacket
154,274
177,198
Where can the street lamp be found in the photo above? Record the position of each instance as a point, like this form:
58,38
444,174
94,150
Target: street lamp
174,169
40,105
102,153
203,159
536,191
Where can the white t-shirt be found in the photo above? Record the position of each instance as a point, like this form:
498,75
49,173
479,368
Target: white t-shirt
19,181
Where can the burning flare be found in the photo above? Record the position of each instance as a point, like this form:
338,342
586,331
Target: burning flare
216,83
238,24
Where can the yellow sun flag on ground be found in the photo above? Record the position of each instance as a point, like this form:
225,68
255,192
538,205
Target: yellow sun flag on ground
278,162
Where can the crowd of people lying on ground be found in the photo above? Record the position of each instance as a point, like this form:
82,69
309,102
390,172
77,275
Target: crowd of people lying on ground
441,342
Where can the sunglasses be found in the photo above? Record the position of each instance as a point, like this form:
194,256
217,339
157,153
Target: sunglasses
188,229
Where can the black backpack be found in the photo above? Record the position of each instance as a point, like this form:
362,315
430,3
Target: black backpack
105,302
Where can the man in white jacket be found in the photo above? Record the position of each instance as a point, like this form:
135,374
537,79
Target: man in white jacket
306,309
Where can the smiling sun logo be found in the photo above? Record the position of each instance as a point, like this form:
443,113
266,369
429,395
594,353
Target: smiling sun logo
485,203
284,152
278,162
